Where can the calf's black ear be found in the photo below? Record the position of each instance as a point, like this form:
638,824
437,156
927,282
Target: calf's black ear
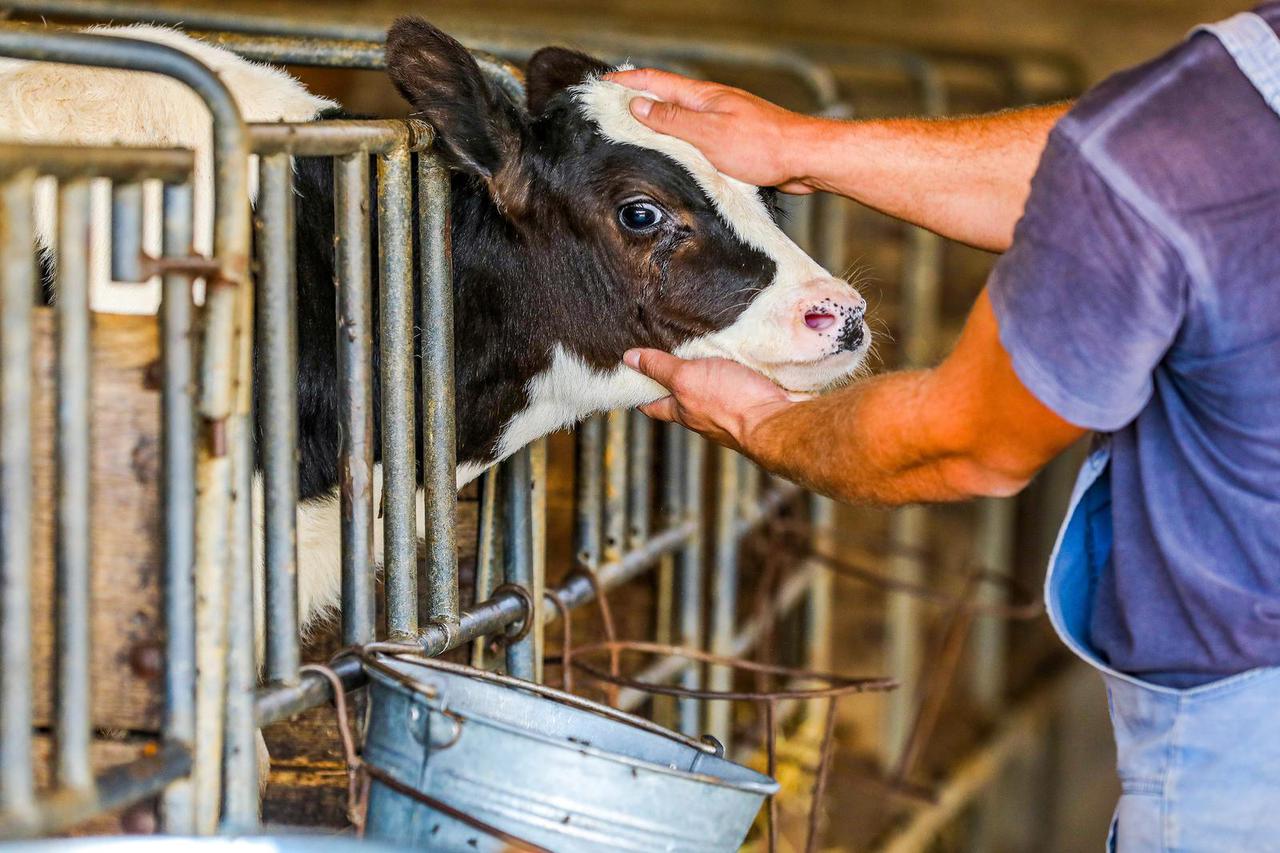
478,126
553,69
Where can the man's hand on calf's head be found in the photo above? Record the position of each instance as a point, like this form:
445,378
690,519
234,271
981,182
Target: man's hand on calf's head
721,399
742,135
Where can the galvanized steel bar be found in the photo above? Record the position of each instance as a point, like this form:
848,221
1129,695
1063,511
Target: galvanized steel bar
231,250
439,410
724,590
75,470
399,478
486,552
538,539
516,486
338,137
178,438
126,232
355,321
691,586
590,492
615,484
71,162
277,334
990,636
17,296
240,756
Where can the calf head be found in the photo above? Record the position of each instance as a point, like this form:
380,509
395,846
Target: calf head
580,233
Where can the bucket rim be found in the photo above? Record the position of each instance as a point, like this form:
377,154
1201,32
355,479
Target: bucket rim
381,670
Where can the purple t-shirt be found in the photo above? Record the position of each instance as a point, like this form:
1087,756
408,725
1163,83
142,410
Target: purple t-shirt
1141,298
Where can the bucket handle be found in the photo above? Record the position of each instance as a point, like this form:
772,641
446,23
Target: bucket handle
369,656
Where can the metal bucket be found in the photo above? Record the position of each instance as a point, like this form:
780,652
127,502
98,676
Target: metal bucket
545,766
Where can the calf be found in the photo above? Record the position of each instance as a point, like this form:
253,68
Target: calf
577,234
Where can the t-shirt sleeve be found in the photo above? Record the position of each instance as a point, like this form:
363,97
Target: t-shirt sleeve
1089,297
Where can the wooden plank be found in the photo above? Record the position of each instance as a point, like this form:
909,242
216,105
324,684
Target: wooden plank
128,632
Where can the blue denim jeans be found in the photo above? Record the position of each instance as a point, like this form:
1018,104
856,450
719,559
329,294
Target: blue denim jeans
1199,768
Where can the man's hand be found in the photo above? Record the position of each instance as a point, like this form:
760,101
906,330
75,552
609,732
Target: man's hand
721,399
743,136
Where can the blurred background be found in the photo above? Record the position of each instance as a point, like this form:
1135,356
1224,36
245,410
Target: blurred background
997,741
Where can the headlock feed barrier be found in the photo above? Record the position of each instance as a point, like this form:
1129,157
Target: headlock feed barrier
204,765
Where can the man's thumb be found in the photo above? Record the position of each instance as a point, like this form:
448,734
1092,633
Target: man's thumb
662,116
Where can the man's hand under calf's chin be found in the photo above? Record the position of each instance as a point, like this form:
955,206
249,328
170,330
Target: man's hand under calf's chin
720,399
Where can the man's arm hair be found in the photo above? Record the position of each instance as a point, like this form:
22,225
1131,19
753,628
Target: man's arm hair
966,428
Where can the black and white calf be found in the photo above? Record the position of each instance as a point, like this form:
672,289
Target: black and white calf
577,234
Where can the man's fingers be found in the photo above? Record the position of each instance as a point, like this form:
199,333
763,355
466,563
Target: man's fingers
669,118
669,87
661,410
654,363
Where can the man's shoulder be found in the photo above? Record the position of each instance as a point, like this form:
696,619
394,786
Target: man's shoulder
1185,129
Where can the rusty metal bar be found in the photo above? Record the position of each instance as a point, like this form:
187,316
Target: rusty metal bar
615,484
355,322
516,478
399,480
71,162
126,232
590,492
439,413
278,349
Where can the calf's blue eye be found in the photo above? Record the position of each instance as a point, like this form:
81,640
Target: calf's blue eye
639,216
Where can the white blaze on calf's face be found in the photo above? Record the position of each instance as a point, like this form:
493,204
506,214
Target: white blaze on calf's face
772,335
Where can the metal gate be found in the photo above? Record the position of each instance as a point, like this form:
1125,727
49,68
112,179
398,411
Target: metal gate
206,764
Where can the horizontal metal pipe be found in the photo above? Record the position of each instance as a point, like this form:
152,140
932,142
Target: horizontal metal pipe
489,617
126,164
339,137
117,788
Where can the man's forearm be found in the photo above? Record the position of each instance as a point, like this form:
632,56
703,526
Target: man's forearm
964,178
873,443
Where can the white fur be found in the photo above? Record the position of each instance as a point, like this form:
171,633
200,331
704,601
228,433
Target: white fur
74,104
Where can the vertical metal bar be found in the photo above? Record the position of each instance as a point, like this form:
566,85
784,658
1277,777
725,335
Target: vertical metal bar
399,491
538,543
240,755
240,758
615,485
277,341
670,508
178,436
691,573
822,512
439,413
908,528
590,488
17,295
516,483
989,637
75,471
486,555
355,321
724,589
126,232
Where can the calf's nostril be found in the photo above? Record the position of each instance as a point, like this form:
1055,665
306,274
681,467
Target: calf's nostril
819,321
